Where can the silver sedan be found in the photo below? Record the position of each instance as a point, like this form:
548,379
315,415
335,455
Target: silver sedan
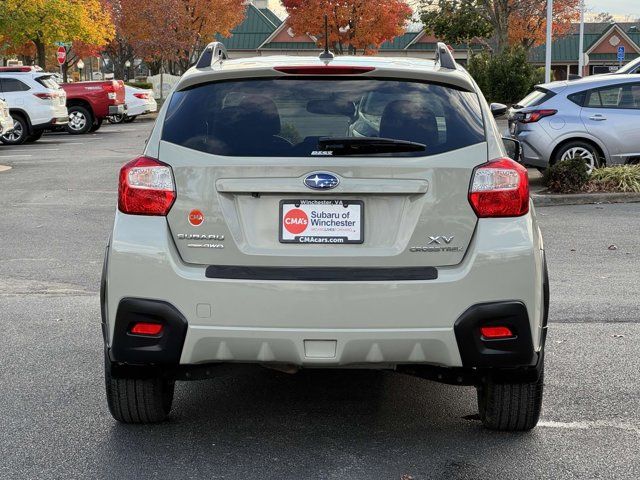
596,118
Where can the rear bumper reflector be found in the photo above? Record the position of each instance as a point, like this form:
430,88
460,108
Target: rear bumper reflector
321,274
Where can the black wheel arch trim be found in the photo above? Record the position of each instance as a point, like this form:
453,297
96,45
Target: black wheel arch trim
161,350
499,353
25,116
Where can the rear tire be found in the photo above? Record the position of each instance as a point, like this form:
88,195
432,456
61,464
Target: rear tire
116,118
138,400
587,151
510,407
96,126
129,119
34,137
80,120
19,134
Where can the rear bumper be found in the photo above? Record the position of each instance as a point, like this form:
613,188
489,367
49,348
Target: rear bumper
54,122
117,109
536,147
325,323
142,109
322,347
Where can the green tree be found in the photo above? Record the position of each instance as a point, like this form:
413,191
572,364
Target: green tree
455,21
506,77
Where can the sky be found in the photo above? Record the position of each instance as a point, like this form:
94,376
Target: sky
620,9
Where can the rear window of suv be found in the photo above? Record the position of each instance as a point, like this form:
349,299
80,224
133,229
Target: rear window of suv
535,98
287,117
47,81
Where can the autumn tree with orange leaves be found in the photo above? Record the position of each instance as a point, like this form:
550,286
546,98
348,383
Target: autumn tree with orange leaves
528,21
170,31
513,22
354,25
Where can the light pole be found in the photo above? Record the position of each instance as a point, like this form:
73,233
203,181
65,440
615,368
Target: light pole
581,41
127,65
80,66
547,62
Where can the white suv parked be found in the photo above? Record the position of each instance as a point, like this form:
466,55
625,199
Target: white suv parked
36,102
264,225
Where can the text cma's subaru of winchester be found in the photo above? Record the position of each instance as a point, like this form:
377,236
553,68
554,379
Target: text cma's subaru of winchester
305,213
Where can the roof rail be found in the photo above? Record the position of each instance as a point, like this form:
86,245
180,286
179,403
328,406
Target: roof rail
212,54
444,56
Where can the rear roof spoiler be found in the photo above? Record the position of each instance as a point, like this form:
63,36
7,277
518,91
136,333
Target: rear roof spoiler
212,54
444,56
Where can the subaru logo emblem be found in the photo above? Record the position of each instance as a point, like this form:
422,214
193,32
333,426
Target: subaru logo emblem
321,181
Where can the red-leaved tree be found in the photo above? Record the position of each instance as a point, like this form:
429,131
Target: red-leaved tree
354,25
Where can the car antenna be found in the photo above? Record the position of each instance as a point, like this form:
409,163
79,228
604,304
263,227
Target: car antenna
326,55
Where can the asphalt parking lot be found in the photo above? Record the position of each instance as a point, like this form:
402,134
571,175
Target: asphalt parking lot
57,204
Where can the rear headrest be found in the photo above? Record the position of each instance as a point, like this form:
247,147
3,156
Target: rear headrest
406,120
255,115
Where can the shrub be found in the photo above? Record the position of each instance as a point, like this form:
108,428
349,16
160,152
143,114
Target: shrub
506,77
567,176
622,178
145,85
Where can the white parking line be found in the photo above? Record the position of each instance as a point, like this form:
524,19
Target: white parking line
14,156
587,425
35,149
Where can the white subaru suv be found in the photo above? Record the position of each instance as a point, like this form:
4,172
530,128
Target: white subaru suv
262,226
35,100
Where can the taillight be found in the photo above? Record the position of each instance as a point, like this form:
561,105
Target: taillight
325,70
500,188
110,88
535,115
45,96
146,187
493,333
143,96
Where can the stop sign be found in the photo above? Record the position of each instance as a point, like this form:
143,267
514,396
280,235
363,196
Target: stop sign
61,54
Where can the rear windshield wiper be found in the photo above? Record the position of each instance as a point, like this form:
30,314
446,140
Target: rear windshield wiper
367,145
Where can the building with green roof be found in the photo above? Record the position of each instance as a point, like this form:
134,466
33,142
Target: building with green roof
601,44
263,33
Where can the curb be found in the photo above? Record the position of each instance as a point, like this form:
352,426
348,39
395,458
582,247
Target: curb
550,200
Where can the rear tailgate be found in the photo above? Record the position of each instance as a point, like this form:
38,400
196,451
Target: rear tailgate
421,206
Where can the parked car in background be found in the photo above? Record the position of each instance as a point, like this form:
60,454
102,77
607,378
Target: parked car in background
36,103
631,67
89,103
139,102
6,122
596,118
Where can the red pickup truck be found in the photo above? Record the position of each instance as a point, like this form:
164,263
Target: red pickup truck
89,103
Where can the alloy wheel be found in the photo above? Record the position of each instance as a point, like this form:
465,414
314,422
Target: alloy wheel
587,155
77,120
15,134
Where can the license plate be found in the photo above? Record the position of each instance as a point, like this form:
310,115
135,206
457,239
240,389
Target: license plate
321,221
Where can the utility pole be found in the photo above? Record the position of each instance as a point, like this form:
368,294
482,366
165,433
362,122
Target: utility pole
547,62
581,42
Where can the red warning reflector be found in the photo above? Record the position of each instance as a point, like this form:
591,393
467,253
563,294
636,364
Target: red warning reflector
147,328
496,332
